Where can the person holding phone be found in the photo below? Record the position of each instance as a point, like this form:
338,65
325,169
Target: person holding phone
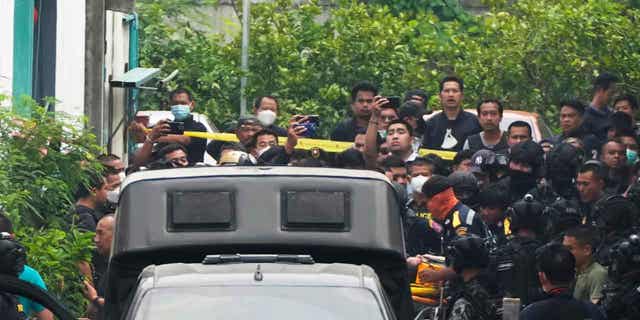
166,132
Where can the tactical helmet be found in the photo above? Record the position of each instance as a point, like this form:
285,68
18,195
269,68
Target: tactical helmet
561,215
615,213
13,256
625,257
465,186
467,252
529,152
526,213
487,162
563,162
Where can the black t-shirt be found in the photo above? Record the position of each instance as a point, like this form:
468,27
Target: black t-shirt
345,131
86,218
197,146
465,125
561,306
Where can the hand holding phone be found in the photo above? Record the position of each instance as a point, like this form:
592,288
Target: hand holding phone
176,127
310,123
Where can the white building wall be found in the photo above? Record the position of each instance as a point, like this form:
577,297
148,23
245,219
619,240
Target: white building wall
70,47
116,59
6,49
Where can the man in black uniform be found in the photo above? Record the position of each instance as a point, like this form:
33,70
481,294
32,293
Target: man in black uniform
513,264
494,201
454,220
468,256
615,217
556,271
526,167
622,294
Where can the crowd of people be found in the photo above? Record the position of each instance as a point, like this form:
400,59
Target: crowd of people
551,223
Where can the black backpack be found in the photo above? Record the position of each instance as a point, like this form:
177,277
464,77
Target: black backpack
514,268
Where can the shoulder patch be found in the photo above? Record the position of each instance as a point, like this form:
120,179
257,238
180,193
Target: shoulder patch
470,214
456,219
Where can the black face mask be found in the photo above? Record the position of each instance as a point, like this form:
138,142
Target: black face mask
522,182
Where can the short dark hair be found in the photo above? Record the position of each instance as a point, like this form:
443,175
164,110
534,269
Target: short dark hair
462,155
576,105
604,81
626,132
416,92
557,263
350,158
452,78
94,180
178,91
596,168
264,132
585,235
5,223
107,157
169,149
627,97
409,109
258,100
496,101
520,124
393,161
614,140
363,86
406,124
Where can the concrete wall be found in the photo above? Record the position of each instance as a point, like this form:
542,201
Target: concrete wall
70,54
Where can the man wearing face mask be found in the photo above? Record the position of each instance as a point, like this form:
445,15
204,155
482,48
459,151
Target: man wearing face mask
182,105
526,166
266,110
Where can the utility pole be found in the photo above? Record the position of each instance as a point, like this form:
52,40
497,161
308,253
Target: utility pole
244,63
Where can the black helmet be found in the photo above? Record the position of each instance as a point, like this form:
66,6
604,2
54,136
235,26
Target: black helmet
561,215
563,162
13,256
529,152
526,213
467,252
465,186
625,257
615,213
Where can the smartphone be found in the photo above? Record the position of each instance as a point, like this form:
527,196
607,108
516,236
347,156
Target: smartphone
176,127
312,124
394,101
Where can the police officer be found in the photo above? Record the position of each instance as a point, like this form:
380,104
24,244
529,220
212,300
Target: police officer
494,201
526,167
12,260
622,294
513,264
455,220
560,216
561,168
469,257
614,218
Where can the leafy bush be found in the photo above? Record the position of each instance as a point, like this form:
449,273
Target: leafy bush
42,159
530,53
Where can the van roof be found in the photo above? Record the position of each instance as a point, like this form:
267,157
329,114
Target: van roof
234,207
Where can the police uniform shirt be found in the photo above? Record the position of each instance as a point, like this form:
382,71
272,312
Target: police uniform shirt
463,221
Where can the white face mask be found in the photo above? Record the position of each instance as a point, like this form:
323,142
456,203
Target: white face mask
122,175
266,117
113,196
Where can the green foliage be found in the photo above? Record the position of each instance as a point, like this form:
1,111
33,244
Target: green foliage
54,253
42,159
530,53
445,10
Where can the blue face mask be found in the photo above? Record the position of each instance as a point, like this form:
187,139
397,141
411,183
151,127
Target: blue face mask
180,111
632,156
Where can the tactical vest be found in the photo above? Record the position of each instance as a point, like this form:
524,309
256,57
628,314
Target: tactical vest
513,266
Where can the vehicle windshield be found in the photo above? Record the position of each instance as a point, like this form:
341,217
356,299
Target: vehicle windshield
259,302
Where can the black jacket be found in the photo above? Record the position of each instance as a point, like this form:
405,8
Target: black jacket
561,306
465,125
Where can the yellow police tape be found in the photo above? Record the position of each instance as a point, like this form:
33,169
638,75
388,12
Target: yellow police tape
308,144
